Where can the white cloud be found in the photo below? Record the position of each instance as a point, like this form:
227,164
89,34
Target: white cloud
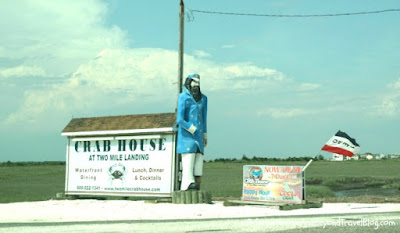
395,85
390,105
280,113
229,46
56,36
138,71
201,54
305,87
131,75
22,71
235,76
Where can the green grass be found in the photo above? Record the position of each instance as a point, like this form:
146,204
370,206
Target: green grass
363,168
223,179
329,169
31,183
41,182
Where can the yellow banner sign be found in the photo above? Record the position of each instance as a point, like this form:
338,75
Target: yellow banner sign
281,184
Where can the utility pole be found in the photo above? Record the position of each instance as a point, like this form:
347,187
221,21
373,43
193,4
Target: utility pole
178,172
180,62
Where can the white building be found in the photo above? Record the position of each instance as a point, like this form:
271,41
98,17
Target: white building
369,157
381,156
337,157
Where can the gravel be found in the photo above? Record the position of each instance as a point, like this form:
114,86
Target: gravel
111,210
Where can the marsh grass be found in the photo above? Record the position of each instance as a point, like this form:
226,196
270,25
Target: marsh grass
224,179
39,182
319,192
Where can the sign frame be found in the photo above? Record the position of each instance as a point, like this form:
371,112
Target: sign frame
274,184
95,189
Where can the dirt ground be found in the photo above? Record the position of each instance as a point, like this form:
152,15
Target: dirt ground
358,199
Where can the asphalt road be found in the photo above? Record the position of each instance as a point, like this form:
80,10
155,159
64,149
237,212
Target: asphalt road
366,222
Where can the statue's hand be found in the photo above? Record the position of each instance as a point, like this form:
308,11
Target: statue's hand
192,129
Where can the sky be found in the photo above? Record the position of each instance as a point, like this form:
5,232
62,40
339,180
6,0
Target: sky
276,86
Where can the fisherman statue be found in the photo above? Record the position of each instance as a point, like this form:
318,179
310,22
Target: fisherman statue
192,132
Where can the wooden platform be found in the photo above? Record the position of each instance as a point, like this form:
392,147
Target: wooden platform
191,197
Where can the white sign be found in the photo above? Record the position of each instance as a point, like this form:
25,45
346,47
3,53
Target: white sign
138,165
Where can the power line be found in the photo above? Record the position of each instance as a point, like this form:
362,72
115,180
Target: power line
295,15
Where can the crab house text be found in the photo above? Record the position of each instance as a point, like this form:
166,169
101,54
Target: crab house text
123,145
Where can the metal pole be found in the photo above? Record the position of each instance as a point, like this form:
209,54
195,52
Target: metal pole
181,32
308,164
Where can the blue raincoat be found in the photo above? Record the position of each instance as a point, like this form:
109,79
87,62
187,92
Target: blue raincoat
191,114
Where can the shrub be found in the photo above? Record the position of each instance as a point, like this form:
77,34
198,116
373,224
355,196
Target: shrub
319,192
332,183
375,183
391,185
313,181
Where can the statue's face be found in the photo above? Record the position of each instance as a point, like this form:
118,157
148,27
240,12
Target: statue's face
195,86
195,83
195,89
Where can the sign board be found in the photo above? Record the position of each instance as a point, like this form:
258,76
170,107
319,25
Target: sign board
135,165
280,184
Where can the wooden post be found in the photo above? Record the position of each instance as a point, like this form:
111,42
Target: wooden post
200,197
195,197
188,197
183,197
181,35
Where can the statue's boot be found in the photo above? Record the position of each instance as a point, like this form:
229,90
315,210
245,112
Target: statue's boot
194,186
187,170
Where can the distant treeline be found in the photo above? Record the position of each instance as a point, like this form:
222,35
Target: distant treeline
262,159
30,163
243,159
